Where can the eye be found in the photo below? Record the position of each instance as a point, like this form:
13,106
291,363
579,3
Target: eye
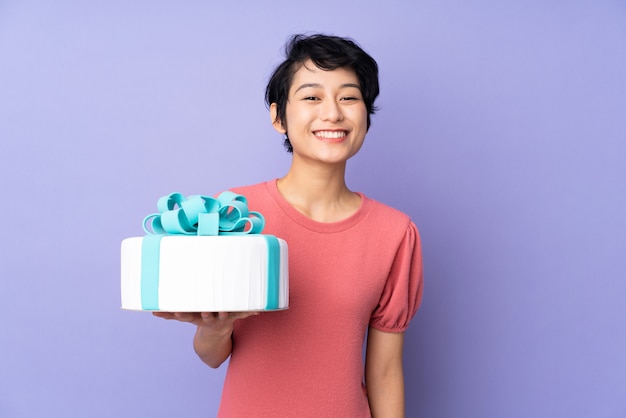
312,98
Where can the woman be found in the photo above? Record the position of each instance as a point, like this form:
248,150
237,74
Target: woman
355,264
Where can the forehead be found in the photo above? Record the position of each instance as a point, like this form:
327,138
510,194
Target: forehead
309,73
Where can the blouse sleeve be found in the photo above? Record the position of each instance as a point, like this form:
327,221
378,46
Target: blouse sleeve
402,294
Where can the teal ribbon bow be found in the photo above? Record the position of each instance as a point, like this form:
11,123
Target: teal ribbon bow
228,214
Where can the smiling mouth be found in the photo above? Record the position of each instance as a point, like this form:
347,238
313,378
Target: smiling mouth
331,134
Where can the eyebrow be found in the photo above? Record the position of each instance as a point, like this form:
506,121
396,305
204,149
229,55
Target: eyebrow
318,86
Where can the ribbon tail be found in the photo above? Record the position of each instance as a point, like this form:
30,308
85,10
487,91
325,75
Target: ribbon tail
150,255
273,272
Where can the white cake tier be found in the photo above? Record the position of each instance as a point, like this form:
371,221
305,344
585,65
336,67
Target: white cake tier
183,273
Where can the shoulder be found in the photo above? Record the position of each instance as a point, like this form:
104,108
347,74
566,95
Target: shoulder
259,196
251,189
387,215
254,192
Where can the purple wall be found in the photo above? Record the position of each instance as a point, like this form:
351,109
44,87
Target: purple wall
501,132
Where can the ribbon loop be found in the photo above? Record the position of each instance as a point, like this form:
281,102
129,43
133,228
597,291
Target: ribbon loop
228,214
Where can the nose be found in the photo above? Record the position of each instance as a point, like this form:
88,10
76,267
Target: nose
330,111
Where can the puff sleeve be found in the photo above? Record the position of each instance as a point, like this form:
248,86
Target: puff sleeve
402,293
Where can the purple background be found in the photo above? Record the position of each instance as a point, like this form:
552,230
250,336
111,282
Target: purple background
501,133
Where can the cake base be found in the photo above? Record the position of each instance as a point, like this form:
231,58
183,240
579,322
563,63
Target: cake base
182,273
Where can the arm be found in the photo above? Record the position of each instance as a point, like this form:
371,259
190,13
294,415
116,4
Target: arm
384,378
213,340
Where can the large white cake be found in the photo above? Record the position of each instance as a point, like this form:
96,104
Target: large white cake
181,271
204,273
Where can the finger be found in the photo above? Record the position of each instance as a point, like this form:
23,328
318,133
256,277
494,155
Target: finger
164,315
184,316
209,318
242,315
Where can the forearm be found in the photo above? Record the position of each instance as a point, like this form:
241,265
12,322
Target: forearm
386,393
211,348
384,378
213,340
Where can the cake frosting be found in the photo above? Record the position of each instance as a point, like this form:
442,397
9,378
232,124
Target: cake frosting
204,254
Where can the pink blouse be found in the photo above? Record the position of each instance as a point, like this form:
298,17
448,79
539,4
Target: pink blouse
344,276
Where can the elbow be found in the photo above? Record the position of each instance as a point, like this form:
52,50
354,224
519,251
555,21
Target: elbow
213,360
213,357
212,363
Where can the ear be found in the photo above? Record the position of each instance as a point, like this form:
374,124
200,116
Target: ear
276,123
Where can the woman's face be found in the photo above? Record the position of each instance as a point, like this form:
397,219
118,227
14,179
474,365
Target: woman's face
326,118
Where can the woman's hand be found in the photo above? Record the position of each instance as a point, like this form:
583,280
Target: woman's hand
213,340
217,321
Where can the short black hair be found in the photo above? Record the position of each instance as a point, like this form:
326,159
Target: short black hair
328,53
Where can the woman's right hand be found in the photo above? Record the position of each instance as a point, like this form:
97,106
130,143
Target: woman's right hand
212,342
215,321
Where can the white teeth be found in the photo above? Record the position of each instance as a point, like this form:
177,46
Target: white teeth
331,134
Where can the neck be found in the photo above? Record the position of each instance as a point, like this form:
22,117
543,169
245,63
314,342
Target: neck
319,191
